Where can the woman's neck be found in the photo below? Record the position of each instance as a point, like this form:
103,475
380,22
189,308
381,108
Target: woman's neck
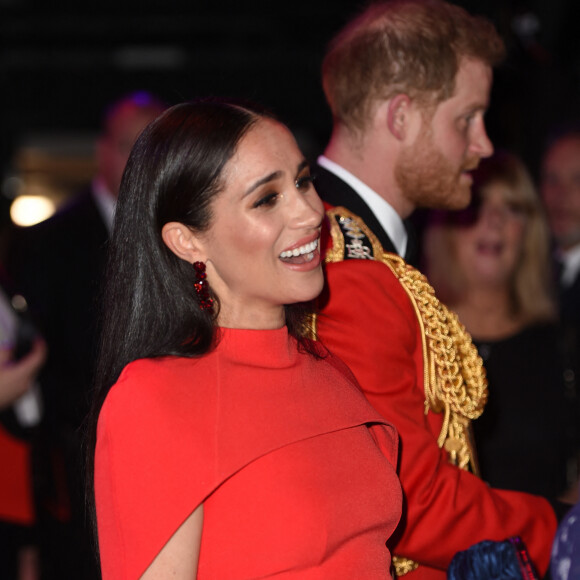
252,318
487,313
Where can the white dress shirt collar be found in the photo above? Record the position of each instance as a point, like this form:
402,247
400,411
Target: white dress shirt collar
571,265
389,219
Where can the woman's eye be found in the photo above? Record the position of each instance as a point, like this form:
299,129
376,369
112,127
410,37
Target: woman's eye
304,182
516,208
266,200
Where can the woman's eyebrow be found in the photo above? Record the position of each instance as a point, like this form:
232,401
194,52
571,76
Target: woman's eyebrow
270,177
303,165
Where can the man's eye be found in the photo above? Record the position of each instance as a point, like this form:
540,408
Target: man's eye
468,119
304,182
266,200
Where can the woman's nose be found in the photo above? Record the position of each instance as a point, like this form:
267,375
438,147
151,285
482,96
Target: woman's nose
309,209
494,215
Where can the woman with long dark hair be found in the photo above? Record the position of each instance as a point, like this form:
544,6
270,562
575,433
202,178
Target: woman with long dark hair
229,445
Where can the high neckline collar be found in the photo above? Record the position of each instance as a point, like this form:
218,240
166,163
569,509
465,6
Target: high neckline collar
258,347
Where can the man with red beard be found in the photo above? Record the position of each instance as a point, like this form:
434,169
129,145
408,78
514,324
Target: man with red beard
408,84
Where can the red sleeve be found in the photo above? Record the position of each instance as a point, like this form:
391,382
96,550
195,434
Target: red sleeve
369,322
150,473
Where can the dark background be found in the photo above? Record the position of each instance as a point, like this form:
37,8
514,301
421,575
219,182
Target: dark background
62,61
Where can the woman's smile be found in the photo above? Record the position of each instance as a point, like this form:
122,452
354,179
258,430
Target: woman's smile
262,249
305,254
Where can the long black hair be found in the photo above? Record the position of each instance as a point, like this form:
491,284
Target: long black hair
173,173
149,305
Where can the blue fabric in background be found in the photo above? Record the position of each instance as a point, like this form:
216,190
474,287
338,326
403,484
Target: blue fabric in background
489,560
565,563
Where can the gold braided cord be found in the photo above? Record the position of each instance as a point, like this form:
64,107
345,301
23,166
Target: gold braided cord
454,378
403,566
456,384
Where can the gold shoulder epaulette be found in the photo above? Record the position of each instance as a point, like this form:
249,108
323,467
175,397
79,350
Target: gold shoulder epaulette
351,238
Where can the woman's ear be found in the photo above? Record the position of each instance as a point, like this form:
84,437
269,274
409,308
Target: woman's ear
182,241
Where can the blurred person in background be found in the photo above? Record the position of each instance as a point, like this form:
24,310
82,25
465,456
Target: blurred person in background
565,563
491,264
19,365
560,189
58,266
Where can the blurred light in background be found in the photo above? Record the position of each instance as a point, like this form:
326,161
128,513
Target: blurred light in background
47,169
27,210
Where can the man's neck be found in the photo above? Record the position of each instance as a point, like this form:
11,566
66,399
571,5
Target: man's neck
388,219
370,163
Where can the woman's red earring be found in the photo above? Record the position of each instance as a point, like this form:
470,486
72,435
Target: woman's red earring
202,287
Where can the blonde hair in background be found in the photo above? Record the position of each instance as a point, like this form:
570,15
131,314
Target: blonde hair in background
531,287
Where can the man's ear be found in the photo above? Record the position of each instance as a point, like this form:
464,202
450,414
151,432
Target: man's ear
398,112
182,241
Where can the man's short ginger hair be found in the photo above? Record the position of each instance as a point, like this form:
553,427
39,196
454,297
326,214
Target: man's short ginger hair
411,47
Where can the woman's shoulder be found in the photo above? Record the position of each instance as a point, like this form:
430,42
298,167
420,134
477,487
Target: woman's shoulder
151,368
330,363
158,385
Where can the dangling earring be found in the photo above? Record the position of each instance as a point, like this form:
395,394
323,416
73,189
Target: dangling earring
202,287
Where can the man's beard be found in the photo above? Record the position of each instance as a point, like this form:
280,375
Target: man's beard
427,179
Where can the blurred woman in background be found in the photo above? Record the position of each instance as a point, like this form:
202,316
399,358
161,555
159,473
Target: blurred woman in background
490,264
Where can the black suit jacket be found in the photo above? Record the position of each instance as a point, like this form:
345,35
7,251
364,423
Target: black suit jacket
570,303
58,265
336,192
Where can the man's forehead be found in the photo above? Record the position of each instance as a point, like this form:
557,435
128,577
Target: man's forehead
563,152
473,76
569,144
472,86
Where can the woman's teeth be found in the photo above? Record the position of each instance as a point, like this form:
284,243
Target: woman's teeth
305,249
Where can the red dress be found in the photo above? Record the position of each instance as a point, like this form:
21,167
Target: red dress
295,470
